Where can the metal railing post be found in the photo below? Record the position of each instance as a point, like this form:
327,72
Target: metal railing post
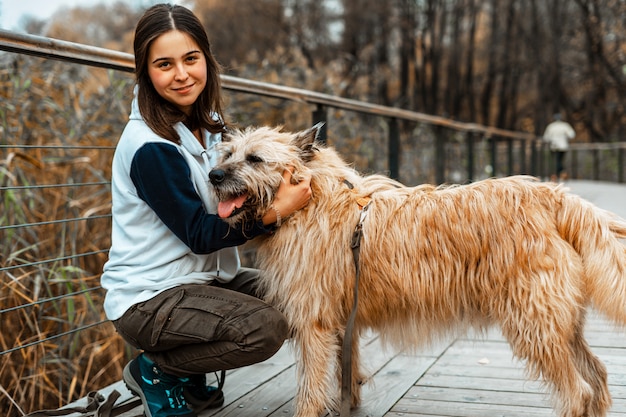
534,159
440,157
620,165
394,149
509,153
494,156
469,139
522,156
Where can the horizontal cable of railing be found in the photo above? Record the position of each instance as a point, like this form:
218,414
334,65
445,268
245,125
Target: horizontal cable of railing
53,337
47,186
49,300
53,222
106,58
53,260
64,147
604,146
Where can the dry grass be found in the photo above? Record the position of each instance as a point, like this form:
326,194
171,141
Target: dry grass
56,105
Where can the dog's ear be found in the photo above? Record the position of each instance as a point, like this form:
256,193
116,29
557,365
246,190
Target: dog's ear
306,141
228,133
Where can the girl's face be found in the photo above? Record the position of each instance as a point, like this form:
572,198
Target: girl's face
177,69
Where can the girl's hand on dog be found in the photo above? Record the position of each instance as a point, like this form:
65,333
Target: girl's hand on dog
289,197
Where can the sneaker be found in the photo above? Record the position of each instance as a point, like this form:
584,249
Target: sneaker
161,394
202,396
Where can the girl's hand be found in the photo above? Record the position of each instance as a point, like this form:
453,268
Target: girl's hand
289,198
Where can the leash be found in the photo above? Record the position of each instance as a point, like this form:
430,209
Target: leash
202,405
346,351
100,406
97,406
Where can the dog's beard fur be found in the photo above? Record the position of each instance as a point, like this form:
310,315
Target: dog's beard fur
515,252
241,168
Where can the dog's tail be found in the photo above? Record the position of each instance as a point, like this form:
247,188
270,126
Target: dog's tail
595,234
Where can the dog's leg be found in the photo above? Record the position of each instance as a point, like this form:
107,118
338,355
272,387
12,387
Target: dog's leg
594,372
318,351
543,324
555,362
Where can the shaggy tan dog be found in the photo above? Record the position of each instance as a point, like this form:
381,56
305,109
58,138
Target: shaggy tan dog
514,252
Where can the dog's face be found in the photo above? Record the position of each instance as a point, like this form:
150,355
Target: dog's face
251,167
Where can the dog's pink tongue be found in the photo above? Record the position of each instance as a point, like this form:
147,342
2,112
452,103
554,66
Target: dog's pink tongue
226,208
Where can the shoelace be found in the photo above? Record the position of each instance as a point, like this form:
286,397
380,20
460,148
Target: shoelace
174,392
175,396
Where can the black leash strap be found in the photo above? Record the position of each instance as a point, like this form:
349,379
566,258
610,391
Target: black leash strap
346,352
100,406
97,406
202,405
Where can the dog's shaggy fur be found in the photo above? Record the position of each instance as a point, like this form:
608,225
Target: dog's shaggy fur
514,252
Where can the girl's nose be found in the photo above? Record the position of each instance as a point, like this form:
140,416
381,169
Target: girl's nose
181,73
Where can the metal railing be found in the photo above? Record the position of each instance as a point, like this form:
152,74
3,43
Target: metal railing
106,58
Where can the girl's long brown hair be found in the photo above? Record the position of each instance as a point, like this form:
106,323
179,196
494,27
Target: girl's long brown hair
158,113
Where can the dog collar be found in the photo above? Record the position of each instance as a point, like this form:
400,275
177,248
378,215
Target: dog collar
361,201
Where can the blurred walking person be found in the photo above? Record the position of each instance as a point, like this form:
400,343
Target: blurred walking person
557,135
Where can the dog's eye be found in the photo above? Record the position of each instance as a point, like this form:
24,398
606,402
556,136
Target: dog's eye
253,159
226,155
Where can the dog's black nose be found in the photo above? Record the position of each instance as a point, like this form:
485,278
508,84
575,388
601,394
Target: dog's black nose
217,176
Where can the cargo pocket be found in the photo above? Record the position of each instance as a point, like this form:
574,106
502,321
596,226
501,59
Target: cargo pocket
200,317
162,315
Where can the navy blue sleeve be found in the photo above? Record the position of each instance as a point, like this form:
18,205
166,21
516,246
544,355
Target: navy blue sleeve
163,180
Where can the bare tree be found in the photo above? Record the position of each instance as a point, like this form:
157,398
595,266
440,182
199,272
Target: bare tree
241,30
604,104
510,63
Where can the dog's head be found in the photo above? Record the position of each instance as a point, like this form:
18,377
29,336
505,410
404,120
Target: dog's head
251,166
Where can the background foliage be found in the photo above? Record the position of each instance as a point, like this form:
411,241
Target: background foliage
503,63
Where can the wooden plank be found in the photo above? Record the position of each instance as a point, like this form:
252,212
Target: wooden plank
469,395
391,383
392,373
374,357
464,409
478,383
240,383
458,385
264,399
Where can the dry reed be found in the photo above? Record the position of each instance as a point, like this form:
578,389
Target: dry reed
59,124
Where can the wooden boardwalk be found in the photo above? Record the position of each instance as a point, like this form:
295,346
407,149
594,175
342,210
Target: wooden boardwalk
468,377
465,377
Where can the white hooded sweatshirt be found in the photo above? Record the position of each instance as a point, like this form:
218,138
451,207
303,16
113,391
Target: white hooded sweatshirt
558,134
165,231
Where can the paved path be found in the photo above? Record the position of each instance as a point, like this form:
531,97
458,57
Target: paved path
609,196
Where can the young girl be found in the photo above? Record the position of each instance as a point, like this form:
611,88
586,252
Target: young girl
175,286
